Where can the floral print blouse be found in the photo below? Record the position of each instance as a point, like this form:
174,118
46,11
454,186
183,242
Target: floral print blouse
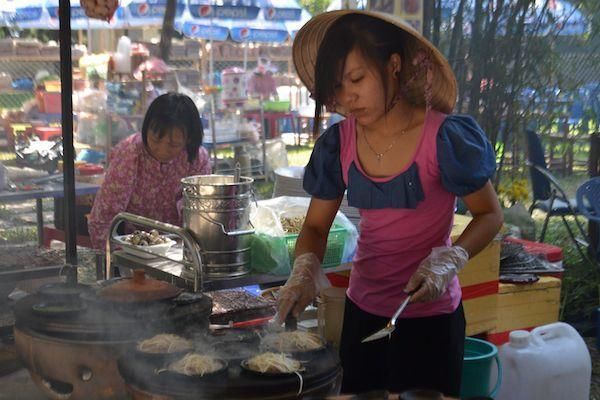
137,183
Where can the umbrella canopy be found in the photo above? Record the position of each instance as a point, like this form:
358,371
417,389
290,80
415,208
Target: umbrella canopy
43,14
149,12
270,21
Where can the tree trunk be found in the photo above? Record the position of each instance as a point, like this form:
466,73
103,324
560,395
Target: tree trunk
437,22
456,35
428,11
476,60
167,30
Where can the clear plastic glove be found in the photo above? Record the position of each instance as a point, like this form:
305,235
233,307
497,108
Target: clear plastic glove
304,284
432,277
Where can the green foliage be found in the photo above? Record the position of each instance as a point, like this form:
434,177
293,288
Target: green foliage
263,189
315,7
20,234
5,213
581,281
298,155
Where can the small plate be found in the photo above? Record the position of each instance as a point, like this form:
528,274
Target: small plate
157,249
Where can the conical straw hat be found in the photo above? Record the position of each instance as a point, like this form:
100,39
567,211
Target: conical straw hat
309,38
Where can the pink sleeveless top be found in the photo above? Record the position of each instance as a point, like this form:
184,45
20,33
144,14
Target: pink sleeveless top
393,241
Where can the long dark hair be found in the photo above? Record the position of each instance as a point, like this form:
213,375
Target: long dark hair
376,40
175,111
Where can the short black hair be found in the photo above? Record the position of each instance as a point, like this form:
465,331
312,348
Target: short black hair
175,111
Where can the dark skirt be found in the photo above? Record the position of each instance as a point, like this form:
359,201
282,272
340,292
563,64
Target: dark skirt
424,353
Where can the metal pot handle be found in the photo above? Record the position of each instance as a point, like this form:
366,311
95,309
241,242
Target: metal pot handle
229,233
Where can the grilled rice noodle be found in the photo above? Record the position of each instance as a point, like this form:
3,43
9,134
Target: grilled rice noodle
165,343
295,341
195,364
273,363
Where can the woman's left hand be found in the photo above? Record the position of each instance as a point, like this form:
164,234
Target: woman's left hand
432,277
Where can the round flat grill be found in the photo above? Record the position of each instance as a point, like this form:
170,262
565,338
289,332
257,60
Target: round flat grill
321,376
100,320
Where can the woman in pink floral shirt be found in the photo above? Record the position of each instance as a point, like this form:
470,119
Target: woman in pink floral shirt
145,169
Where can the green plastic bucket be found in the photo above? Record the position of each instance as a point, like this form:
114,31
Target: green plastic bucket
477,368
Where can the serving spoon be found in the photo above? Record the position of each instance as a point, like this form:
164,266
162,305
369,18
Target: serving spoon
391,325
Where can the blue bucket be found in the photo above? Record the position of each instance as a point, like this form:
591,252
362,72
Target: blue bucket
477,368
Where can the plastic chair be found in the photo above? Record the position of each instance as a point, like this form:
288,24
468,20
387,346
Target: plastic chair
588,201
548,195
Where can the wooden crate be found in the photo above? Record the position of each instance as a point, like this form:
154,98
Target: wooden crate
527,306
485,266
480,314
479,283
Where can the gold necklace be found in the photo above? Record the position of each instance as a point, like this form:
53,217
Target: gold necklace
380,155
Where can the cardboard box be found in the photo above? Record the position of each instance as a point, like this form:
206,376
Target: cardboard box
526,306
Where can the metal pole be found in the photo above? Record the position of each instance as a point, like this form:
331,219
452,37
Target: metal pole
66,79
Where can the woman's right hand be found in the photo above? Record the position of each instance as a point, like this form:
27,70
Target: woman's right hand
304,284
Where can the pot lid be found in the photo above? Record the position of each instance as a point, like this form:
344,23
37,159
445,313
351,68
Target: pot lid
139,288
61,289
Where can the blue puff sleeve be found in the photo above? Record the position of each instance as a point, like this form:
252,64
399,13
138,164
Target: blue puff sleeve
465,155
323,173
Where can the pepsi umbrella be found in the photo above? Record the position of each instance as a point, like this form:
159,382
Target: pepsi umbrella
200,20
250,21
43,14
258,30
294,26
149,12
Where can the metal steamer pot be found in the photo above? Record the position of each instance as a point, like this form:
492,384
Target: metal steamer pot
71,348
217,213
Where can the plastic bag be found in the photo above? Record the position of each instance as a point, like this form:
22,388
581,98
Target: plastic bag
269,245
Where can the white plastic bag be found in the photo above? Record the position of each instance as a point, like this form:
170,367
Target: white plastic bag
266,218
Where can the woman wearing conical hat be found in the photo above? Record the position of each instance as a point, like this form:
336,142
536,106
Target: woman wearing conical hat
403,159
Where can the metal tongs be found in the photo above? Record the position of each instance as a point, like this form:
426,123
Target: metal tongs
391,325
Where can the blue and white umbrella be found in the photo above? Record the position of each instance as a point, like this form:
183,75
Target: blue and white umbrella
149,12
258,30
271,21
204,20
43,14
294,26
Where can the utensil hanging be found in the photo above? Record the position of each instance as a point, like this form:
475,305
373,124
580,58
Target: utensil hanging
391,325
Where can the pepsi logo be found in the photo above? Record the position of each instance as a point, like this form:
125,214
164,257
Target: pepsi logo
143,9
244,33
270,13
205,10
194,29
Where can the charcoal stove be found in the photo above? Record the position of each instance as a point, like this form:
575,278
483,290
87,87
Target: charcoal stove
321,376
73,353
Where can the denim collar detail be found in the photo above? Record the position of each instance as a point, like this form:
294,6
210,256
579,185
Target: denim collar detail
402,191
